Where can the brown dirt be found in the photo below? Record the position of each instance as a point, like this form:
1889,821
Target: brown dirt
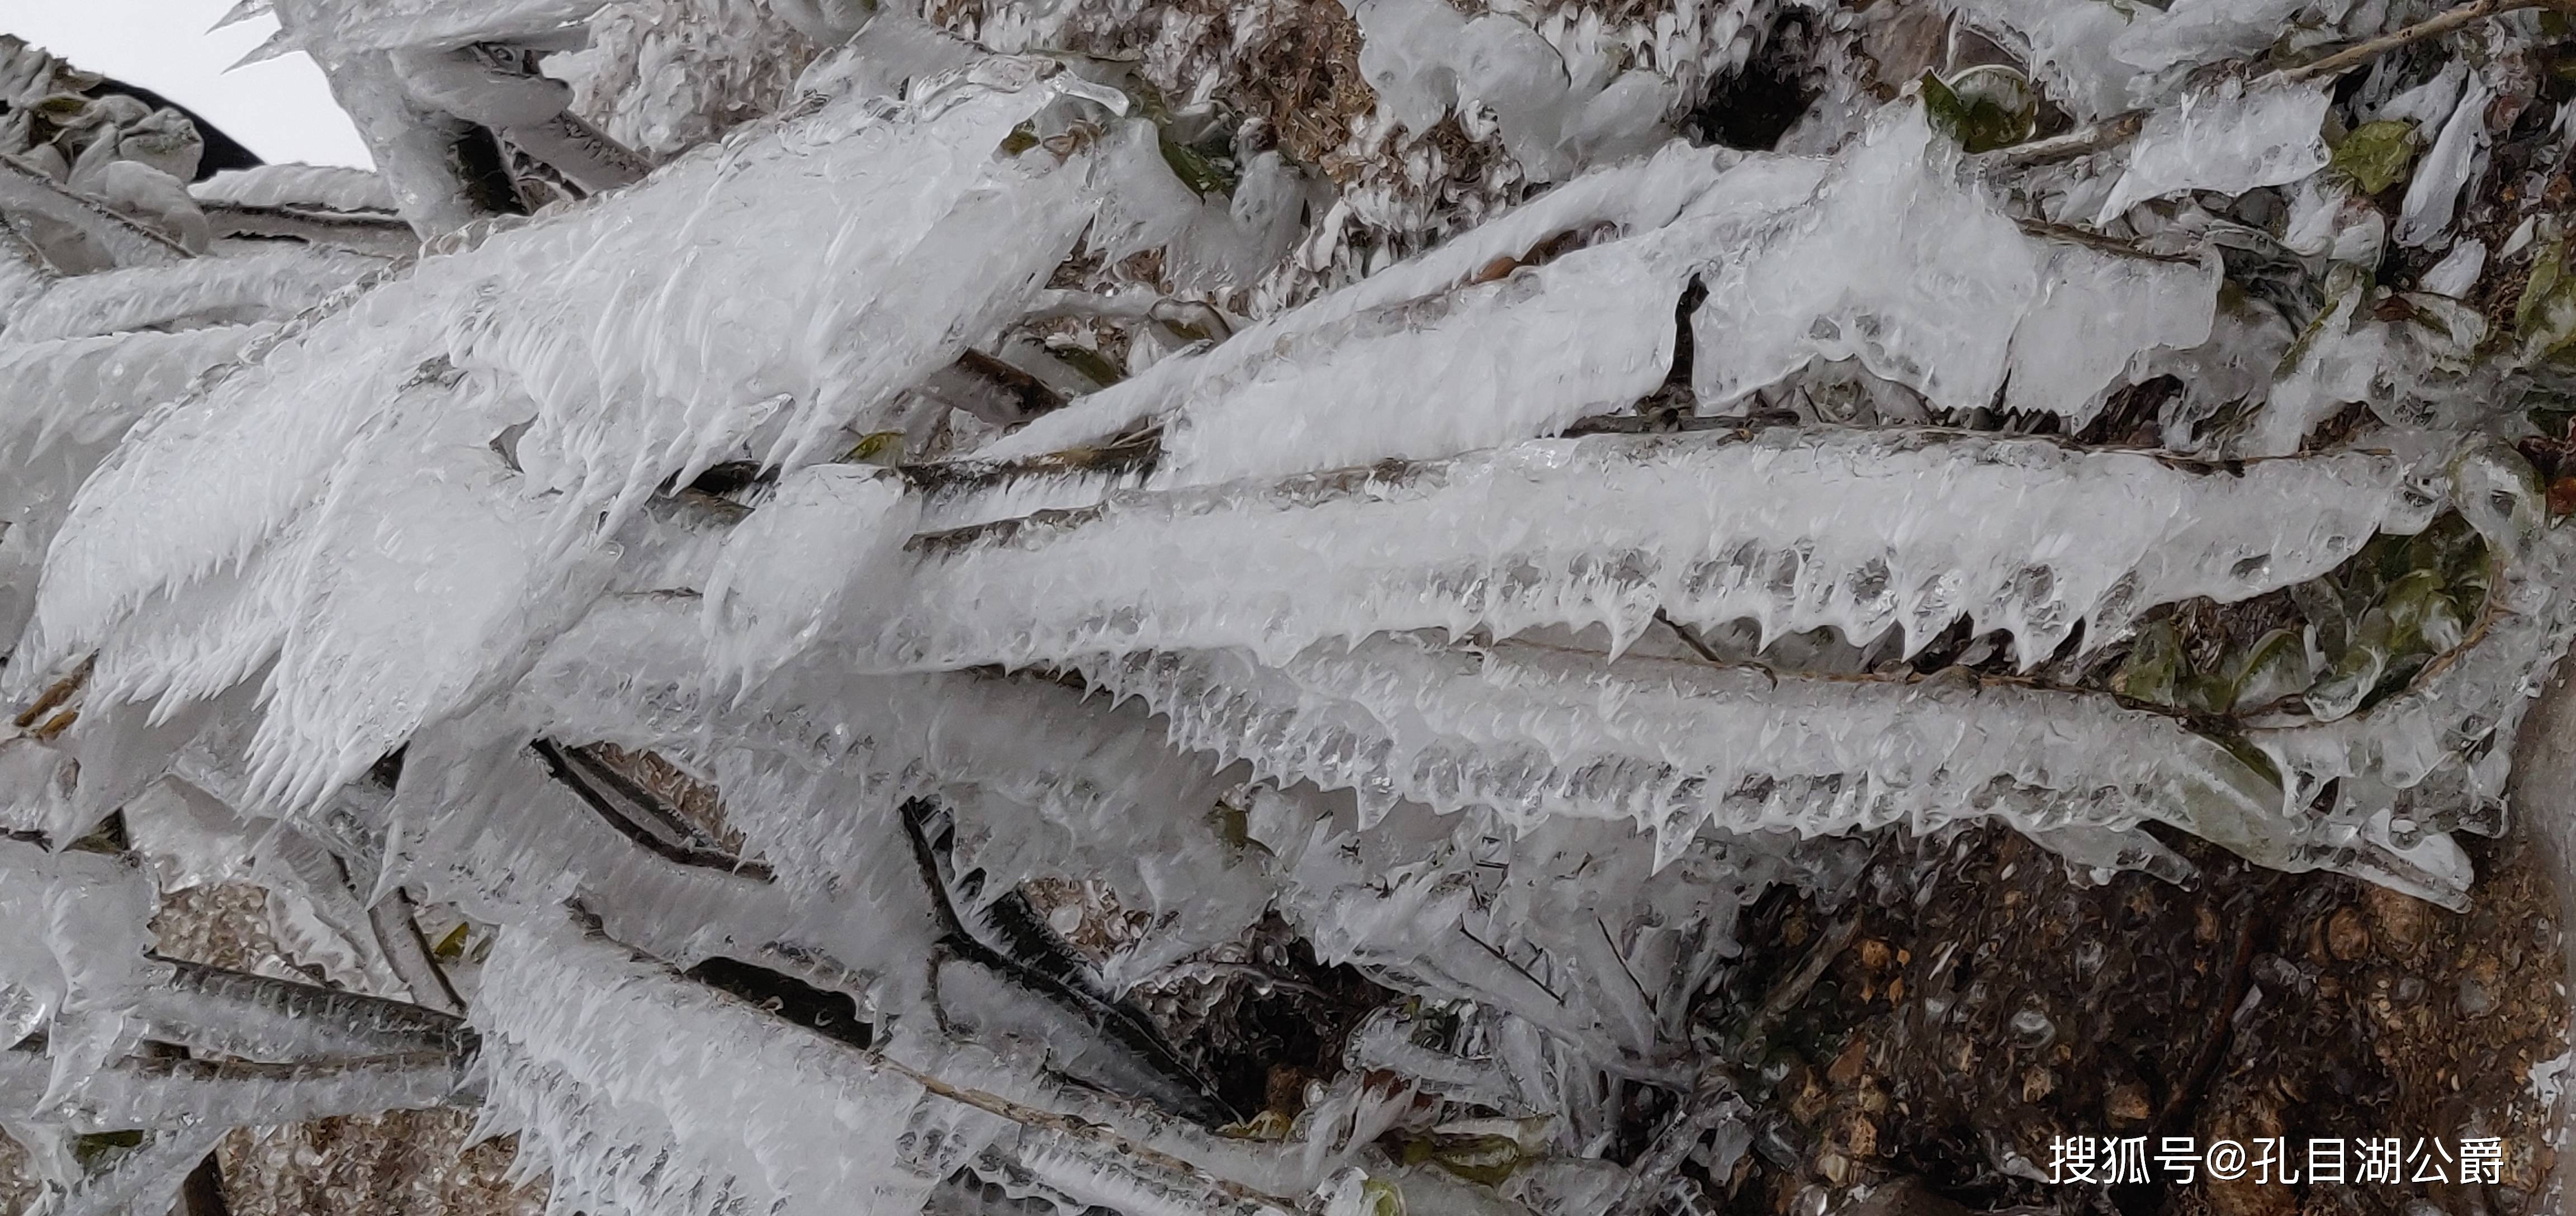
1998,1005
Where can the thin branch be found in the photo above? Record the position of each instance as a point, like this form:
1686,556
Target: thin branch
635,813
2082,141
398,934
128,243
55,694
2431,27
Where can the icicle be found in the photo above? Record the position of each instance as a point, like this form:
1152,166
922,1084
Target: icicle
242,11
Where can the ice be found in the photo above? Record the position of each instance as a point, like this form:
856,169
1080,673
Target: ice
195,293
89,226
1813,282
256,1017
163,1094
1638,196
485,828
776,582
1471,908
2455,158
1674,747
644,1093
2068,48
76,947
1426,60
626,366
2457,273
424,585
816,764
328,187
87,391
1500,347
1794,254
2193,32
1861,531
2412,370
377,25
145,1178
2230,139
2443,735
2060,362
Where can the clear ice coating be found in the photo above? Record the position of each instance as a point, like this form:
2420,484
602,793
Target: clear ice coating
956,519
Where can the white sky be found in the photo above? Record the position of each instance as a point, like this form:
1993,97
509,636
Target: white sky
279,108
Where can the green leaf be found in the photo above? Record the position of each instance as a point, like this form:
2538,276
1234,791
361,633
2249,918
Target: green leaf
2155,669
2545,317
2352,675
451,946
1984,108
1486,1159
2275,666
1094,366
2376,155
1204,173
877,447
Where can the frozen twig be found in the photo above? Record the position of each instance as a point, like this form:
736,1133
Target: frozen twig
2431,27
